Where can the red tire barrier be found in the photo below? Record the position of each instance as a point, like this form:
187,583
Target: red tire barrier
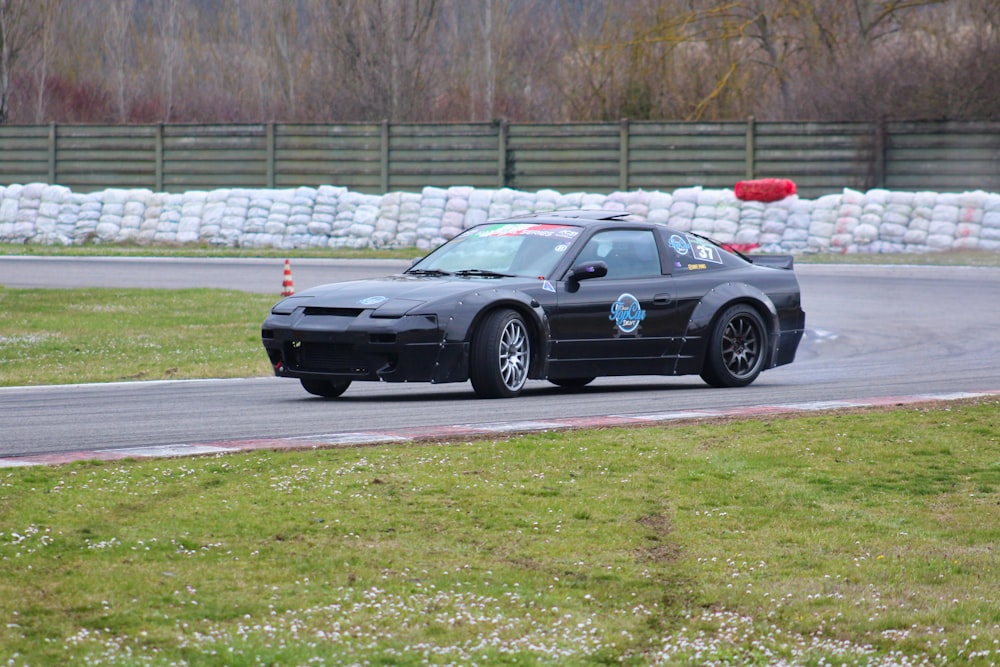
745,248
764,189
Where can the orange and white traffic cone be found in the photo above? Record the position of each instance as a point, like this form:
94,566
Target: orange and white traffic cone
287,286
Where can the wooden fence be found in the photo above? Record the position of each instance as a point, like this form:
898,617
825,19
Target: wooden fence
375,158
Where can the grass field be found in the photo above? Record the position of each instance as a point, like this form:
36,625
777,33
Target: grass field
859,538
50,336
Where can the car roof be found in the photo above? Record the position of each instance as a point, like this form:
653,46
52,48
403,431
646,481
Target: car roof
574,216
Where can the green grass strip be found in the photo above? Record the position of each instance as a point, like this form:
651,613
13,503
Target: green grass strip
861,539
51,336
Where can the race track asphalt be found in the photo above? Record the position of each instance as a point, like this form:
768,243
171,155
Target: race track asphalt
876,335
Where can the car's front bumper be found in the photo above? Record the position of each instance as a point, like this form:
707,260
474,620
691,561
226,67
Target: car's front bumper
403,349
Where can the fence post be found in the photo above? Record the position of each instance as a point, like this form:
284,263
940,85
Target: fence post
52,153
623,160
384,156
750,147
270,156
502,130
878,166
159,158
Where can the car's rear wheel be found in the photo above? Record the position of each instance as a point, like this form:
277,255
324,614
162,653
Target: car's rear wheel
501,350
737,348
571,383
325,388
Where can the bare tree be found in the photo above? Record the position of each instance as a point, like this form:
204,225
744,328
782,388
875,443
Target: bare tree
117,42
491,44
20,22
663,59
527,48
385,54
494,58
285,37
914,59
161,52
47,37
524,60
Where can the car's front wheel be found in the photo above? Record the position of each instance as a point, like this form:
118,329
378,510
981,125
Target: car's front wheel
325,388
737,348
501,350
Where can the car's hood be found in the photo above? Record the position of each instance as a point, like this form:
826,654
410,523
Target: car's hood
392,295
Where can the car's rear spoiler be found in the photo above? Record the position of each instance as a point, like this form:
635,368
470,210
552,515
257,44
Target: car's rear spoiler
773,261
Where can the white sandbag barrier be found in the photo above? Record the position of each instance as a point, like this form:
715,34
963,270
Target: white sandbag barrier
876,221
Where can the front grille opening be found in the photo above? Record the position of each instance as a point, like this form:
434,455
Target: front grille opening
317,311
383,338
324,358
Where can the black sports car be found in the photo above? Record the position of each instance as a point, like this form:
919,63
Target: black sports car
566,296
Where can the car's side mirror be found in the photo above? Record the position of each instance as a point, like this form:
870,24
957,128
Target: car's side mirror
588,270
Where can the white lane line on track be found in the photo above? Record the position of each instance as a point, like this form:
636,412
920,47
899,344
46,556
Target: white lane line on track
670,416
507,427
160,451
348,438
825,405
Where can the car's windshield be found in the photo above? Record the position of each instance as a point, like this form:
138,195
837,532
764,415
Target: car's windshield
516,249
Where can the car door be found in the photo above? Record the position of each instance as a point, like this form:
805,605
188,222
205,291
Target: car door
623,323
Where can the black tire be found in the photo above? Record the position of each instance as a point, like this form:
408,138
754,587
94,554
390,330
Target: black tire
500,354
737,348
571,383
325,388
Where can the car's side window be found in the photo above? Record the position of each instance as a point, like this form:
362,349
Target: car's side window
691,253
629,253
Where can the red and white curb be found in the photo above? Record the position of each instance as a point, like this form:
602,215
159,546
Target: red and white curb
459,431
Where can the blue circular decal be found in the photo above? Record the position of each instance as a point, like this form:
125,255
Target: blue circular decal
627,313
372,300
679,244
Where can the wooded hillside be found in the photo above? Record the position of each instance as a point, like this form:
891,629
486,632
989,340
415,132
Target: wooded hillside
141,61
